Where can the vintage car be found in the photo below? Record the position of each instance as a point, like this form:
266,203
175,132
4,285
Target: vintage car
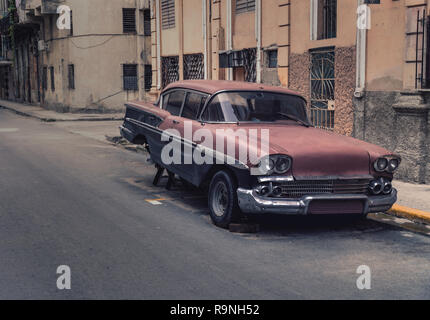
302,171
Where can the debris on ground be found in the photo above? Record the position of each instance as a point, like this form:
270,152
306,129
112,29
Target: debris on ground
120,141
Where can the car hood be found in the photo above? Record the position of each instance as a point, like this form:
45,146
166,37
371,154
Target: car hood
317,152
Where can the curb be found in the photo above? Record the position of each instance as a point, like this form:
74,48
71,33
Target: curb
45,119
410,213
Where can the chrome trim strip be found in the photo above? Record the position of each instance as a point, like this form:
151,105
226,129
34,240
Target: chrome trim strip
143,125
359,177
122,128
275,179
222,158
225,159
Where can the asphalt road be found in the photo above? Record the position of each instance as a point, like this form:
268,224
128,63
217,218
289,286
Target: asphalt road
67,199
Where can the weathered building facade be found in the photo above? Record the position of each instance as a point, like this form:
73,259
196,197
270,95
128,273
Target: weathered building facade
376,88
96,65
363,66
391,105
323,60
243,40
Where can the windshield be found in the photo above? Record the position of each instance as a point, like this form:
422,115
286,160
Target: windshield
255,107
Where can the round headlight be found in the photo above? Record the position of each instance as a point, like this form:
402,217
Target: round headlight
375,186
393,164
387,187
381,164
283,164
267,165
270,164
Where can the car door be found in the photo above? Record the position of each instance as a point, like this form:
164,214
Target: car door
194,102
172,126
211,116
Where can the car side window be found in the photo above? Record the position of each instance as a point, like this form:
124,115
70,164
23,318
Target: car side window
193,104
164,101
174,103
213,112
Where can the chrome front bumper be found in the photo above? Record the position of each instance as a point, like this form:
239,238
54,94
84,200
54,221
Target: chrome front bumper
249,202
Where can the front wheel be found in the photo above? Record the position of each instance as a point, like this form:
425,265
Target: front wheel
223,199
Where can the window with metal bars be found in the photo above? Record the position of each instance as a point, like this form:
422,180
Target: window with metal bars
322,87
249,58
193,66
169,70
148,77
45,78
147,22
167,14
129,20
272,58
327,19
51,70
71,76
422,52
246,59
129,74
245,6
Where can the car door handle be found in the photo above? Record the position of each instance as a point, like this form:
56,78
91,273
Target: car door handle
175,122
168,139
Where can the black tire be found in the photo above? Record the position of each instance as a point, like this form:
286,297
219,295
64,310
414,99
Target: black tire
222,199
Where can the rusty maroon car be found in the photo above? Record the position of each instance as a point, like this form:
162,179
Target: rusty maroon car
254,148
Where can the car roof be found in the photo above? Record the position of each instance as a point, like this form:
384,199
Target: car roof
214,86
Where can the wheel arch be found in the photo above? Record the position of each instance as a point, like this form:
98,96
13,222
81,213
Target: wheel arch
241,177
140,139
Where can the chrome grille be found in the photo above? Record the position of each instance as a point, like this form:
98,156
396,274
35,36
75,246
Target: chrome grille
297,189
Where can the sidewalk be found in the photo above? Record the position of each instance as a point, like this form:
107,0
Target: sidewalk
52,116
413,201
413,195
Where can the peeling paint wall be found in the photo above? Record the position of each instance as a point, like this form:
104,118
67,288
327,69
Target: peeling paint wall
275,34
344,89
398,121
299,80
97,50
299,76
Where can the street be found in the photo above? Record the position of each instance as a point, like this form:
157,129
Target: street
70,199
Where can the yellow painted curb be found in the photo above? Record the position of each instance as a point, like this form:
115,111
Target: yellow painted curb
410,213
